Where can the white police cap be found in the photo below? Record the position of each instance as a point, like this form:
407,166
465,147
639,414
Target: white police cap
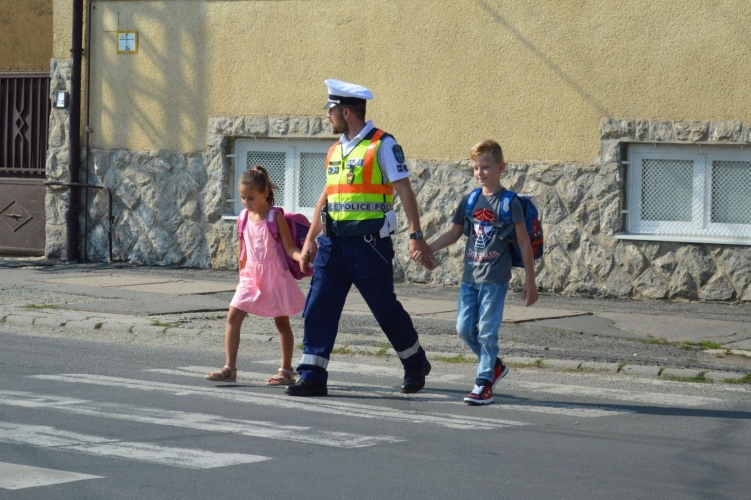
341,92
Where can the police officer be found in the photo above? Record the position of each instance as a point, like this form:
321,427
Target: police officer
354,214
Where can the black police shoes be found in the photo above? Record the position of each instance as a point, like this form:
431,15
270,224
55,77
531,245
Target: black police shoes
306,388
414,380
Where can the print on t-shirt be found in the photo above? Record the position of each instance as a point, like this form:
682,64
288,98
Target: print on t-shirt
482,236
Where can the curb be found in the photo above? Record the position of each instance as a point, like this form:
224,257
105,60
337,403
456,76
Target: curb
73,321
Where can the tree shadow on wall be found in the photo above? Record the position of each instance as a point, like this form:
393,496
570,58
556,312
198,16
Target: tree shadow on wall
547,61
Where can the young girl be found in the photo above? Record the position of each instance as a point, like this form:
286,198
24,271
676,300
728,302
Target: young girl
266,288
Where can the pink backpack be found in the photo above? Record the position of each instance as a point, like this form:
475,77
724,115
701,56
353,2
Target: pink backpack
298,228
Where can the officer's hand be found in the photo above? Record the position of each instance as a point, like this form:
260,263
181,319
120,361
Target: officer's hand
421,253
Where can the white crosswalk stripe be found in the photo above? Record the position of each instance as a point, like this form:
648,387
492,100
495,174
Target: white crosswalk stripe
320,405
49,437
380,391
341,388
212,423
18,477
613,394
387,371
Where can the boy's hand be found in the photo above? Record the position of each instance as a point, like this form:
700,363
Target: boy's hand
529,292
421,253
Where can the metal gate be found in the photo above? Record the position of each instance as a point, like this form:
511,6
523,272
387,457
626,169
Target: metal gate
24,122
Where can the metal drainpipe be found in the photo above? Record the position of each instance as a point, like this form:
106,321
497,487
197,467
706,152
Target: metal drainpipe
74,157
87,53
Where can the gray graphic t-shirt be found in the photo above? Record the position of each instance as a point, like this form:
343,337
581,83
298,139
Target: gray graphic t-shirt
486,257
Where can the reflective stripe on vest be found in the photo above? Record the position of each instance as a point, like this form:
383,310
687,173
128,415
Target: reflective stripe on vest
359,207
374,196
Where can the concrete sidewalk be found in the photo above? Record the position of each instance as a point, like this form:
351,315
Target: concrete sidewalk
123,298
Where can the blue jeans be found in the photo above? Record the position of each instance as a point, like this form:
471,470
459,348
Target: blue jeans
478,320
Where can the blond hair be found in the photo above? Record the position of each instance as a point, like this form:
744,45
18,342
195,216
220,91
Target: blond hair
487,147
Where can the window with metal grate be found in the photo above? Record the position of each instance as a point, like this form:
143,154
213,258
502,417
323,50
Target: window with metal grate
295,167
692,194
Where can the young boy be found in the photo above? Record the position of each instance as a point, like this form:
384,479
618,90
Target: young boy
487,268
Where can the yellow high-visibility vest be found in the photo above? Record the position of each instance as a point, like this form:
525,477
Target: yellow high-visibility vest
356,188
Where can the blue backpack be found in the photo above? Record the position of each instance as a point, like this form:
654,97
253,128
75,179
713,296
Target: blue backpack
506,226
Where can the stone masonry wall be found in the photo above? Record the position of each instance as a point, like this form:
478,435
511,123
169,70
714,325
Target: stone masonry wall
57,164
167,205
168,208
581,213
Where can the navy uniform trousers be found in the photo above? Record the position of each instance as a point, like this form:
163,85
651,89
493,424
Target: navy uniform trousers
366,262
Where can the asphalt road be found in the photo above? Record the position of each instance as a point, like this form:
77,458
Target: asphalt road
140,422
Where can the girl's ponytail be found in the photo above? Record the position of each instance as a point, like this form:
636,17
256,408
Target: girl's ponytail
257,178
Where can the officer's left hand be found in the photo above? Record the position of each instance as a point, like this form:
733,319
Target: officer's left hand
421,253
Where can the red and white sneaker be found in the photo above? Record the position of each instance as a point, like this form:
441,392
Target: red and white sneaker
500,371
480,395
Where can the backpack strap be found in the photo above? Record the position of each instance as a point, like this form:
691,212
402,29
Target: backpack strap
471,200
242,219
506,218
274,229
508,197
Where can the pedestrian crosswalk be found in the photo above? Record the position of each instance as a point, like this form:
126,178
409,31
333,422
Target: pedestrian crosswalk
49,437
350,402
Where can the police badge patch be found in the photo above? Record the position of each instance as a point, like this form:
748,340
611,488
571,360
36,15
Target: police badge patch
398,153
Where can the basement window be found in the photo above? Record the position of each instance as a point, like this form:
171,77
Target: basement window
296,167
689,194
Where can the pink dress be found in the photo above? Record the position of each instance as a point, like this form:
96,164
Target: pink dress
265,288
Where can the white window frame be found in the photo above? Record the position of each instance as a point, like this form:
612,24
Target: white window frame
700,229
289,200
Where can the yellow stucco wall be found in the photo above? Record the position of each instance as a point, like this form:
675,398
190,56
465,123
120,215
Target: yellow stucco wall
25,34
535,74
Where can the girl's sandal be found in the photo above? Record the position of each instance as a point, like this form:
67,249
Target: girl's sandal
223,375
283,377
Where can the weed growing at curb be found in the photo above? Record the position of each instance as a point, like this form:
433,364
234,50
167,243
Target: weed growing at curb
454,359
744,380
660,341
538,363
156,322
342,350
620,367
382,352
2,320
699,379
98,326
37,307
298,346
705,344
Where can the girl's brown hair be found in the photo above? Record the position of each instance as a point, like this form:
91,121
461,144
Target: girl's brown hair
257,178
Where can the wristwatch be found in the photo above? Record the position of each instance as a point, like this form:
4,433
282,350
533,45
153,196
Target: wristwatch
417,235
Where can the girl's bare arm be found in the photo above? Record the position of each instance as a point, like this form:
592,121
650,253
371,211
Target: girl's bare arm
241,262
